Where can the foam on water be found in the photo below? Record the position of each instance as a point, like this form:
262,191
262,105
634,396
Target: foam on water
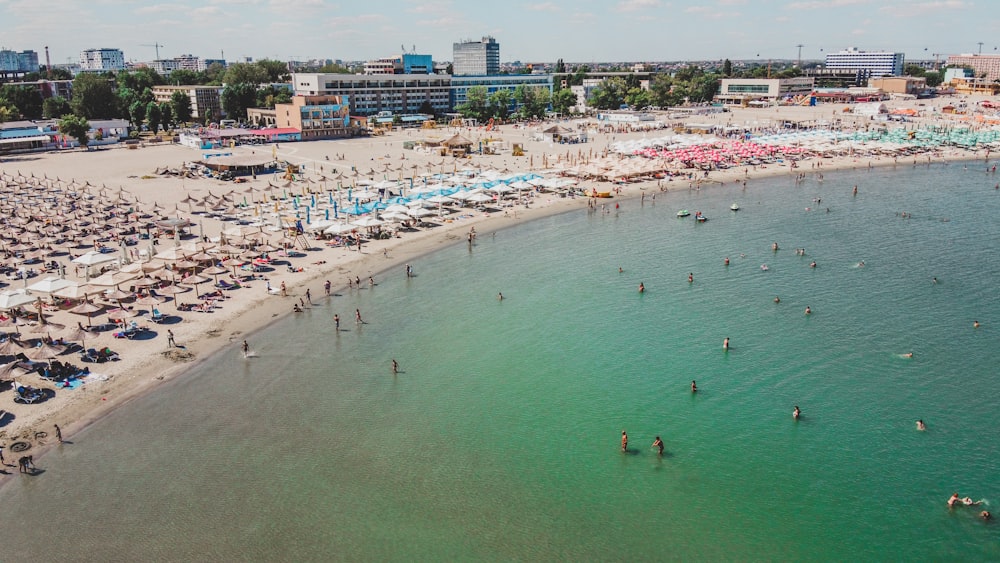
499,438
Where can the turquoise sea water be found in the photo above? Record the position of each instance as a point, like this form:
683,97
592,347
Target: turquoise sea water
499,440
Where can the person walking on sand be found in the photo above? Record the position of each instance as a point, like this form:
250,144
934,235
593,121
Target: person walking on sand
246,349
170,338
284,289
309,296
658,444
624,441
58,433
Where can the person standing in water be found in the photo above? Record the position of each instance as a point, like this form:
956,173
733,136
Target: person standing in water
336,322
658,444
395,366
725,344
694,387
921,425
246,349
624,441
796,413
642,287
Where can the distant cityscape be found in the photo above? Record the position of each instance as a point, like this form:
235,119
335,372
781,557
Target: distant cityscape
329,98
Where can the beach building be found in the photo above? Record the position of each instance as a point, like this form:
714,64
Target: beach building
205,100
983,66
102,60
876,63
262,117
911,85
315,117
407,63
476,58
460,85
24,135
762,91
369,95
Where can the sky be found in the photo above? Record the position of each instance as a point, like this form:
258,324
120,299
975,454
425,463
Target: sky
528,31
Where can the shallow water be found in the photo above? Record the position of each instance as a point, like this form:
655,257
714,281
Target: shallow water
499,439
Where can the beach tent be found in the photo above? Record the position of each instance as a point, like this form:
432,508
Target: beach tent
50,284
12,299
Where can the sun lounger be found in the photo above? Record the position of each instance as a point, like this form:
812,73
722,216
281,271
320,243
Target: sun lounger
156,316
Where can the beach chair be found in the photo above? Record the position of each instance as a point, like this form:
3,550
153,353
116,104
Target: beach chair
156,316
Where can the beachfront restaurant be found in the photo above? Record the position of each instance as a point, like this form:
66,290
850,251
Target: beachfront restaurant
22,136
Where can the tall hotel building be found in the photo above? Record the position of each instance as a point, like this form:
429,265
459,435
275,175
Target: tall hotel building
874,63
476,58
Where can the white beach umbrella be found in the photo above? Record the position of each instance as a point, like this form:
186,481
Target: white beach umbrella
12,299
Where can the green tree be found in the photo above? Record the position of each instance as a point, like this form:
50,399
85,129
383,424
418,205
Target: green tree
475,105
914,70
181,104
214,74
426,108
637,98
153,116
609,94
75,126
139,79
26,99
166,115
500,102
534,100
334,69
183,77
93,97
7,110
245,73
137,113
236,98
269,95
727,68
563,101
661,88
560,67
54,107
43,74
934,78
576,79
276,71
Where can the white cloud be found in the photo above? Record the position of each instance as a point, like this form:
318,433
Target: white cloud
636,5
820,4
543,7
439,7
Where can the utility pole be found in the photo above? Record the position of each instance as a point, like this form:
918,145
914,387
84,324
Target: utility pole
980,47
937,65
799,63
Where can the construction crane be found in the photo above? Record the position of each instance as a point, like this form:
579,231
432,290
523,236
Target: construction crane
156,45
937,65
799,63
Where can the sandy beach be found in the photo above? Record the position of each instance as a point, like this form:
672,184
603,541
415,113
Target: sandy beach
146,363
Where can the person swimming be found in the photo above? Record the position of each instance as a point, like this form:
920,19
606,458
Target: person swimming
812,264
908,355
808,310
796,413
777,299
726,261
921,426
642,287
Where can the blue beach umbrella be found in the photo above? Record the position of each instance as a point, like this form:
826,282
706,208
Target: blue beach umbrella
326,215
308,218
335,215
313,199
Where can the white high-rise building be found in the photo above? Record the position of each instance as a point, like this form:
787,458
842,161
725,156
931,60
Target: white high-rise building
476,58
875,63
102,60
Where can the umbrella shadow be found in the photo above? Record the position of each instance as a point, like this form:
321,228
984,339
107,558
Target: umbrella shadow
145,335
6,418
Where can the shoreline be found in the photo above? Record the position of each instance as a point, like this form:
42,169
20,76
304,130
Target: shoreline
244,314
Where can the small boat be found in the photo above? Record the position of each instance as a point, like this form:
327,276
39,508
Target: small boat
683,213
735,207
700,218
